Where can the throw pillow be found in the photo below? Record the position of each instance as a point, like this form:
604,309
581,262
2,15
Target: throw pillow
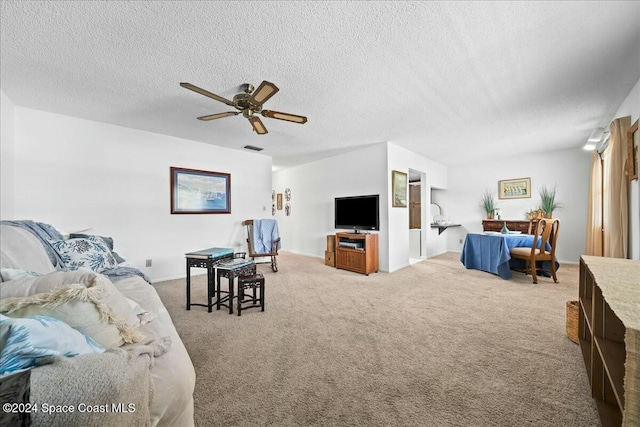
29,285
84,308
31,341
107,240
92,253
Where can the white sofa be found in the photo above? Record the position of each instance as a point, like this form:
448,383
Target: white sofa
172,376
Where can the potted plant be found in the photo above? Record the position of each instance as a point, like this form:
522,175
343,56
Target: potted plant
488,204
548,201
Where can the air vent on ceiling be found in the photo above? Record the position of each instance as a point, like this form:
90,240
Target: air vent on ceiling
251,147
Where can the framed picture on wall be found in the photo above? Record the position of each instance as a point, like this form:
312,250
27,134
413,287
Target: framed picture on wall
279,201
514,188
399,189
200,192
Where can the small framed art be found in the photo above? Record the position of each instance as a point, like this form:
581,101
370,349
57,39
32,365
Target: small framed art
200,192
399,189
514,188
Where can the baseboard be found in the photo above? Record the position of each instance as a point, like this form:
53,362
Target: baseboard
181,276
306,254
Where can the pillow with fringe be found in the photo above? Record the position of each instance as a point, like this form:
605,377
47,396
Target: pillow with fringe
83,307
26,286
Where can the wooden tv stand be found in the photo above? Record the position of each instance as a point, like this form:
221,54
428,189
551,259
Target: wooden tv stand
607,325
363,259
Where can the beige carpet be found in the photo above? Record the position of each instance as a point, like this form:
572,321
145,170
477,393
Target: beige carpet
433,344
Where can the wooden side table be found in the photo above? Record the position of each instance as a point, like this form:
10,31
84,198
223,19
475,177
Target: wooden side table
254,284
231,270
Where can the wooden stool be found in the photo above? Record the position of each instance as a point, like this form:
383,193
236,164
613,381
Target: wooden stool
255,282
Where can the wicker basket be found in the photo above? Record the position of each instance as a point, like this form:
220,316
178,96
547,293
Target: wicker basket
572,321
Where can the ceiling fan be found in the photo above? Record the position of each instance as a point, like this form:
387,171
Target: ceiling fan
249,103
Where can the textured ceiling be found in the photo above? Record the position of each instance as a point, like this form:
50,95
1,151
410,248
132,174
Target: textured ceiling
454,81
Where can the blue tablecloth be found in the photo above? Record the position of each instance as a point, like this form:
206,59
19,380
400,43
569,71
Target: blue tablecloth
491,251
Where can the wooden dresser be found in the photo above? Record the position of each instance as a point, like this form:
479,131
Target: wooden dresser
524,226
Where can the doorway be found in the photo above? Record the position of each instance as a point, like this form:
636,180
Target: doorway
416,213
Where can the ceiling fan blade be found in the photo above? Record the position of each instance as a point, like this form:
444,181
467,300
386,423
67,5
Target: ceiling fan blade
206,93
265,91
284,116
219,115
258,126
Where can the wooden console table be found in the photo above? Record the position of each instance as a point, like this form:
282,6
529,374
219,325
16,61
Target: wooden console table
609,332
523,226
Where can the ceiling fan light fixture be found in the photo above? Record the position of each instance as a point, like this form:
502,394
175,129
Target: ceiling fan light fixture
258,126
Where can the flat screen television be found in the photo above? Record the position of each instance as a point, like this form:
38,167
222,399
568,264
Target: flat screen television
358,212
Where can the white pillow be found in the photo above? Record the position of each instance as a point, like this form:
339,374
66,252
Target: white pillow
91,252
29,285
84,307
28,342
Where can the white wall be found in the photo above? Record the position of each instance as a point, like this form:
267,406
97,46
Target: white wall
314,186
631,107
75,173
438,243
567,169
7,144
435,175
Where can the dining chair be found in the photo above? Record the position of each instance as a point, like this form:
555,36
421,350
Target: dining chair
546,235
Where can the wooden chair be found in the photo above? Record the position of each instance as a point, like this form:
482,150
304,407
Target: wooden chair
273,253
546,233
